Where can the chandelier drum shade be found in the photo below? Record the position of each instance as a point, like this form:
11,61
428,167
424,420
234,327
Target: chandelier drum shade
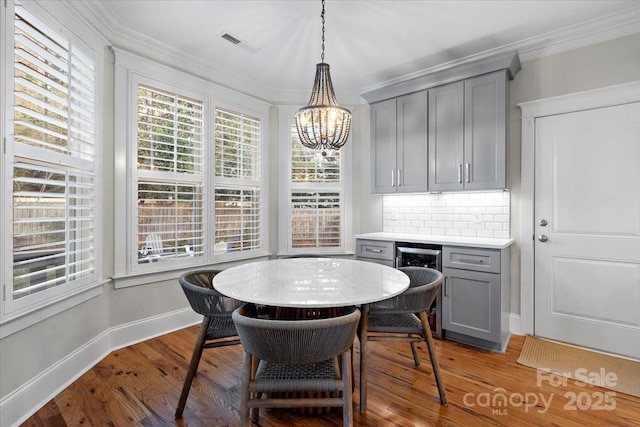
323,124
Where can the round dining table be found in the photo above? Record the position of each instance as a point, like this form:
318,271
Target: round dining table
315,283
311,282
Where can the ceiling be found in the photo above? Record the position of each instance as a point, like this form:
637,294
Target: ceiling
367,43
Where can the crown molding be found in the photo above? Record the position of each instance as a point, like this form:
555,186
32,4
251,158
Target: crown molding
592,32
588,33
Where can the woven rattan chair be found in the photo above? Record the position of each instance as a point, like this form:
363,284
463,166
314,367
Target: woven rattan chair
295,356
217,327
404,317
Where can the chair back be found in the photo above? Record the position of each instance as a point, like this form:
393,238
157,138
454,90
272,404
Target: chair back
203,298
295,342
424,286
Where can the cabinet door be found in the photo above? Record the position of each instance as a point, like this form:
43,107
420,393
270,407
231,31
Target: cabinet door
383,146
485,132
412,138
446,137
471,304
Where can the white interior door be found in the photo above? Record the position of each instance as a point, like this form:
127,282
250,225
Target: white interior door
587,228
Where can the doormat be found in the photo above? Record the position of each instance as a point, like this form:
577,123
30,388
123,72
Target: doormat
586,366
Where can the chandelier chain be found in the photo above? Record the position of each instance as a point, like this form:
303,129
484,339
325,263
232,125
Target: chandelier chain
322,16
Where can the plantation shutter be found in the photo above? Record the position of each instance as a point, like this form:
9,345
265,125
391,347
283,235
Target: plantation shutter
54,196
316,199
237,182
170,176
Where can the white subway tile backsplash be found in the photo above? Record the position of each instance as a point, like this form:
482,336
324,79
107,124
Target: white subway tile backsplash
477,214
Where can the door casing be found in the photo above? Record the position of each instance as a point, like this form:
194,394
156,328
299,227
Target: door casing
579,101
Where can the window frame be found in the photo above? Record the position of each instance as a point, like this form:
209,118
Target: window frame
285,247
238,183
52,19
131,70
132,247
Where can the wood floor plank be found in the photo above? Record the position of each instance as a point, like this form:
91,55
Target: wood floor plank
140,385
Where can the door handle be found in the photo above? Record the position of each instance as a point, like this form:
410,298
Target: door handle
543,238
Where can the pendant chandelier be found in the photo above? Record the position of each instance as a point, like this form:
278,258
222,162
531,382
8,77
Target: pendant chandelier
323,124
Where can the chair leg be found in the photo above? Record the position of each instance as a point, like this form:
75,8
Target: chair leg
434,359
347,404
414,350
254,413
362,333
193,366
247,368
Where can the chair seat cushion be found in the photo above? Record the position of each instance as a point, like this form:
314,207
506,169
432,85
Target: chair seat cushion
319,376
399,323
221,327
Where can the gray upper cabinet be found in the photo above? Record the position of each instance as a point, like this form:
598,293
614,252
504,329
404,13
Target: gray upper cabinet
399,144
468,134
446,137
383,146
485,131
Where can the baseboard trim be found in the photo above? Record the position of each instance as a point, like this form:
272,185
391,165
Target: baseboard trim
515,326
19,405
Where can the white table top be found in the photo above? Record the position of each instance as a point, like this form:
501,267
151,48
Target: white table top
311,282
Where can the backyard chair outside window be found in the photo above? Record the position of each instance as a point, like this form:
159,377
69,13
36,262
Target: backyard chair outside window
295,356
404,317
217,327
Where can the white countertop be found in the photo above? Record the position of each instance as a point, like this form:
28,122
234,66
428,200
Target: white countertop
475,242
311,282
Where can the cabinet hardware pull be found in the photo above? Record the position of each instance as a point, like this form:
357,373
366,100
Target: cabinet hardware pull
468,171
398,177
471,261
459,173
446,288
392,177
379,251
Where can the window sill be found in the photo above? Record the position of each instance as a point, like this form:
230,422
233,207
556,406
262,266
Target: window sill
149,277
318,255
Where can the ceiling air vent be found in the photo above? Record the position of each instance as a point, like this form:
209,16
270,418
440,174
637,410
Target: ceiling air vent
229,37
236,41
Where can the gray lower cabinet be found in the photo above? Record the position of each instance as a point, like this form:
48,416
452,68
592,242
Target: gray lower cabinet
378,251
475,296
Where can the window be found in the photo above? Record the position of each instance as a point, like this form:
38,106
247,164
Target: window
237,177
51,158
316,195
196,187
316,202
170,172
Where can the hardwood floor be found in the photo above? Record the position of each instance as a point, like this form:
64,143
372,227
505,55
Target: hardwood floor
140,385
